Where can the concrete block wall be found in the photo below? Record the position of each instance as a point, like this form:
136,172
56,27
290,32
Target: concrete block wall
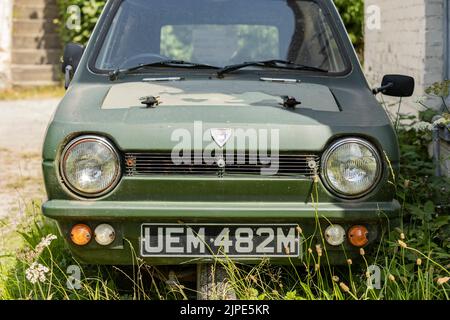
436,30
30,46
36,48
411,41
6,10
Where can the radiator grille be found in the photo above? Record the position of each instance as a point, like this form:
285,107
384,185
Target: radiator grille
147,164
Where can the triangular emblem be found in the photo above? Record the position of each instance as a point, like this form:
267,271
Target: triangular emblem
221,136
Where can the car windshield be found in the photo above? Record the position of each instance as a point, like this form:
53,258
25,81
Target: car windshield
220,33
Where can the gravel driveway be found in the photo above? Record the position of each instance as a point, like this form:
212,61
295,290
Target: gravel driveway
22,129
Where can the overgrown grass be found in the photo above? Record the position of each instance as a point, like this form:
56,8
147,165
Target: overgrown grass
22,93
42,269
413,260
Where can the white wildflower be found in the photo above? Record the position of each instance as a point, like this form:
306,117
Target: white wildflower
26,255
29,255
45,242
441,122
36,273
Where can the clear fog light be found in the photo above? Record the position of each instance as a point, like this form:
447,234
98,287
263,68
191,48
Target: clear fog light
104,234
335,235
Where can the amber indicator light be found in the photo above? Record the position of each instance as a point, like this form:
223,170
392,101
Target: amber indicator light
81,234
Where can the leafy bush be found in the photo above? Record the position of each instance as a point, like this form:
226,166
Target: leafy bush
424,196
90,11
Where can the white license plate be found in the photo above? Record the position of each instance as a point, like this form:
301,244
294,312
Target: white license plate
220,240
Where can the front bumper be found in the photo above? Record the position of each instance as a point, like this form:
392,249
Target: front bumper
127,218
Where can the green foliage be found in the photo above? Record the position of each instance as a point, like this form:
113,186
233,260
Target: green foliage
252,42
172,44
39,270
352,12
90,11
439,89
425,197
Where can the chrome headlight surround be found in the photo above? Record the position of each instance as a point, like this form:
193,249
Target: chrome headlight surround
105,143
324,168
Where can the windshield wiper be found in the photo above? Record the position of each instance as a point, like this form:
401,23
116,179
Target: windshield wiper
275,64
114,75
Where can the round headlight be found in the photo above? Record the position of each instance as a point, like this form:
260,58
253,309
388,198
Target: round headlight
351,167
90,166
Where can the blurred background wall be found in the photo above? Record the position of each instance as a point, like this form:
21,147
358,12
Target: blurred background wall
412,39
29,43
5,41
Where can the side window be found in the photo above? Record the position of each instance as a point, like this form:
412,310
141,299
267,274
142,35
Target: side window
313,41
106,60
329,42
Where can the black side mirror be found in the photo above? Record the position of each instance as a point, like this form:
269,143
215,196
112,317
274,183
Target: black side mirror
395,85
71,59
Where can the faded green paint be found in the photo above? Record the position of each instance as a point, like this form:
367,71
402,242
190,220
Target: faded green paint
218,93
332,107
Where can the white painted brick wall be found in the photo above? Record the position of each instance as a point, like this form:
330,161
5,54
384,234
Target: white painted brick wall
5,41
410,41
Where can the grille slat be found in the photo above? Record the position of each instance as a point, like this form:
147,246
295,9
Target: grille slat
146,164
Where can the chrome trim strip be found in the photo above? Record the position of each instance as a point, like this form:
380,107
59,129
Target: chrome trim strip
162,79
280,80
